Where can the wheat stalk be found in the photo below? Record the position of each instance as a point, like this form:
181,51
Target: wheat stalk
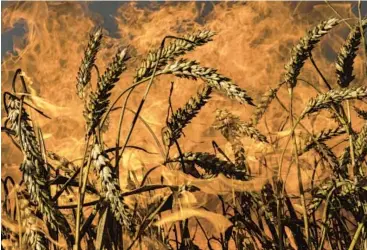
347,53
176,48
33,168
110,187
212,164
183,116
99,100
232,127
84,73
193,70
302,50
333,97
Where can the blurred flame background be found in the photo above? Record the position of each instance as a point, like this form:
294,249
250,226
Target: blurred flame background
252,45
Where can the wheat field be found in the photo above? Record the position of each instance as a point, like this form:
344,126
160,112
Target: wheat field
173,153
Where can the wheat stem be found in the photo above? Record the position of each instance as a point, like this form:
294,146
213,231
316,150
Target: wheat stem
19,219
81,196
361,27
300,184
357,233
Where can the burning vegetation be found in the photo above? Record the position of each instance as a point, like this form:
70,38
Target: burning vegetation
177,155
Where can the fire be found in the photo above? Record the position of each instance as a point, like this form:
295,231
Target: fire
251,47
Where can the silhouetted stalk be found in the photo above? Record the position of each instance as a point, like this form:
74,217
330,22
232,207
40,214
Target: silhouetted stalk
19,219
81,193
300,184
357,233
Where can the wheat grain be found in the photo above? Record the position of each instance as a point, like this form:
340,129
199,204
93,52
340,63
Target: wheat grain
321,137
176,48
192,70
302,50
264,103
347,53
231,127
326,153
360,145
33,238
99,100
184,115
361,113
33,168
111,188
228,125
239,154
84,73
212,165
333,97
319,195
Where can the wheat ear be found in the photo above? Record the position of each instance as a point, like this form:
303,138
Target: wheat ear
176,48
84,73
361,113
212,165
111,188
325,152
347,53
264,103
33,238
228,125
33,168
193,70
361,145
319,195
231,126
239,155
183,116
302,50
333,97
99,100
322,137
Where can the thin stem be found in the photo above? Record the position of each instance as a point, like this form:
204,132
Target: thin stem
357,233
324,219
19,220
300,184
336,12
123,93
362,36
117,155
144,97
351,144
72,206
318,71
81,196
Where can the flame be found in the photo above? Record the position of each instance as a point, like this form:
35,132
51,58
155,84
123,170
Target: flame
218,221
